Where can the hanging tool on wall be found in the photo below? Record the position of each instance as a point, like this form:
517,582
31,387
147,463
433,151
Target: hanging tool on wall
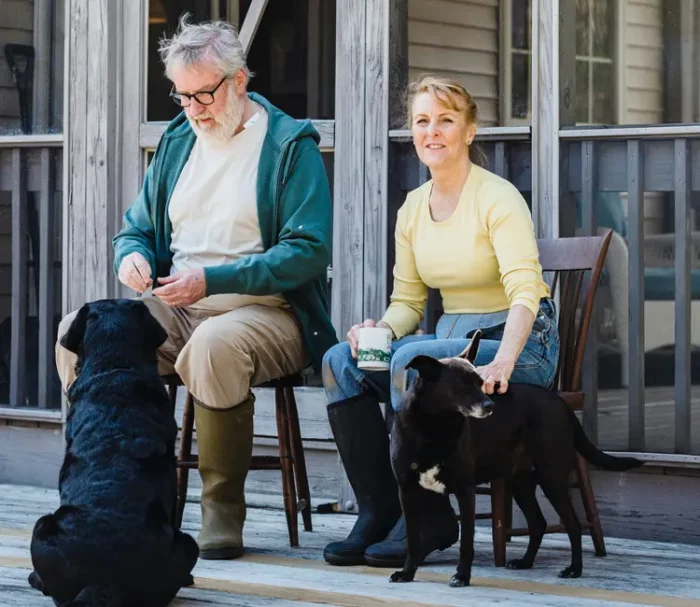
20,58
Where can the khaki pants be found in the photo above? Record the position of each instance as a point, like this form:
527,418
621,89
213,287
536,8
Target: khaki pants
218,356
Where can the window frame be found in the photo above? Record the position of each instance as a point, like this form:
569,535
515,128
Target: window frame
506,65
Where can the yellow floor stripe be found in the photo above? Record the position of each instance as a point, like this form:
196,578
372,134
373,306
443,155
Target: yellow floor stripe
349,600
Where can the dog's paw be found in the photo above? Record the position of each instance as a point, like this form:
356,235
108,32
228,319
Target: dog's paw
401,576
570,572
458,581
189,581
518,564
35,581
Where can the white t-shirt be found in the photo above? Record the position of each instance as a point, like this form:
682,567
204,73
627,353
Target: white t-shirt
213,210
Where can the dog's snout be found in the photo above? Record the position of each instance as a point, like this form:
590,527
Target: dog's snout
487,405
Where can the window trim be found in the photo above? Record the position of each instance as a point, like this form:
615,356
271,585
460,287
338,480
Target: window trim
506,64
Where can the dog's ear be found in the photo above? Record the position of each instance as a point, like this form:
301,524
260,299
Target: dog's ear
73,338
428,368
153,331
470,351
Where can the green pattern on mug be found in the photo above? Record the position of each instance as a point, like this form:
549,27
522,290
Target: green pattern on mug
372,354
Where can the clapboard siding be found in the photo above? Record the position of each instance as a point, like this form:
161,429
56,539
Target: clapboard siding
458,39
643,60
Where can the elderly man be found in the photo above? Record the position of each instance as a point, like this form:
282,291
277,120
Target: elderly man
231,234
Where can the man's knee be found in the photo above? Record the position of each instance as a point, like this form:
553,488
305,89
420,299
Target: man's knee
208,354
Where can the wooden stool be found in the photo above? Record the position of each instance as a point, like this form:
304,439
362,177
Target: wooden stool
290,461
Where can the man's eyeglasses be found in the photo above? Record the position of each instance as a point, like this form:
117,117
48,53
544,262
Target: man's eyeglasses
202,97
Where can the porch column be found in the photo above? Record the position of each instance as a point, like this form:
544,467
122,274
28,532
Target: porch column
91,144
370,73
545,117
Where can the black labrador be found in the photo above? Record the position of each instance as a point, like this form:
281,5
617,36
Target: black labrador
113,541
450,437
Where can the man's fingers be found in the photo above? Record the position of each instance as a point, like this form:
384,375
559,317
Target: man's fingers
135,281
165,280
143,269
504,386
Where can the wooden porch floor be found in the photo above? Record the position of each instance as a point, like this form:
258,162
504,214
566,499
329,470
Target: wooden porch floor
273,575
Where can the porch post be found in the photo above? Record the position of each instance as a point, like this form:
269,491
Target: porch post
91,127
545,117
365,75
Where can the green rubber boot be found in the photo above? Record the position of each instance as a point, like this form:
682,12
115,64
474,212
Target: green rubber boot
225,444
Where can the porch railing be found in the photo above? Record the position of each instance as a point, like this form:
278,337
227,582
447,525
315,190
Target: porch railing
30,270
651,165
647,166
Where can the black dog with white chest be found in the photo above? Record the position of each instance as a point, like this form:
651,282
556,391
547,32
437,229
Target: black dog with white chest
113,541
450,437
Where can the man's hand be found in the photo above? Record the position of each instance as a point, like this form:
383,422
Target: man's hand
182,289
135,272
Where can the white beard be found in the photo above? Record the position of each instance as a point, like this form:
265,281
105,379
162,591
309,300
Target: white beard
225,124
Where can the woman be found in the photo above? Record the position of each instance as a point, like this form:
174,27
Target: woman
468,233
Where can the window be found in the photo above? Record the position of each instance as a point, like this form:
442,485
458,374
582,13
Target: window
595,70
520,59
292,56
596,77
31,67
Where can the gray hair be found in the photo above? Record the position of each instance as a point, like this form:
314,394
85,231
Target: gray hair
212,42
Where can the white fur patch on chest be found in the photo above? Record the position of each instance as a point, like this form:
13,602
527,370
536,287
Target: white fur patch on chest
428,480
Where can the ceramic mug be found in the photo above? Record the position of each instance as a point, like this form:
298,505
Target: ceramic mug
374,349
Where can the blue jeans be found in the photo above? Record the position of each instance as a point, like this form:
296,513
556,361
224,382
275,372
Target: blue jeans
537,363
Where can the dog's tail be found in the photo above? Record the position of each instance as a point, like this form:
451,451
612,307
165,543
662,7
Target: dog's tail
595,456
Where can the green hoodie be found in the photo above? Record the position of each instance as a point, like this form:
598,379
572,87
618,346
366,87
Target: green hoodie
294,211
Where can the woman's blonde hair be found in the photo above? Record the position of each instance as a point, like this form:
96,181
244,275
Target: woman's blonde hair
453,96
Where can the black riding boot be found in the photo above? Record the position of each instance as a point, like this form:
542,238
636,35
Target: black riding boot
439,530
362,439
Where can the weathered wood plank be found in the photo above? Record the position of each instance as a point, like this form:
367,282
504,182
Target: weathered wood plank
151,132
100,136
376,153
46,279
33,164
590,361
635,362
545,119
19,279
30,455
91,132
348,220
251,23
133,50
643,573
658,166
683,222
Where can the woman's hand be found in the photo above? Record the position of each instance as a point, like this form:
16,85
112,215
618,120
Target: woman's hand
496,371
354,333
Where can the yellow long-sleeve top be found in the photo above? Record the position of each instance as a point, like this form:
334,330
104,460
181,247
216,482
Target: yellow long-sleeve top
483,258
